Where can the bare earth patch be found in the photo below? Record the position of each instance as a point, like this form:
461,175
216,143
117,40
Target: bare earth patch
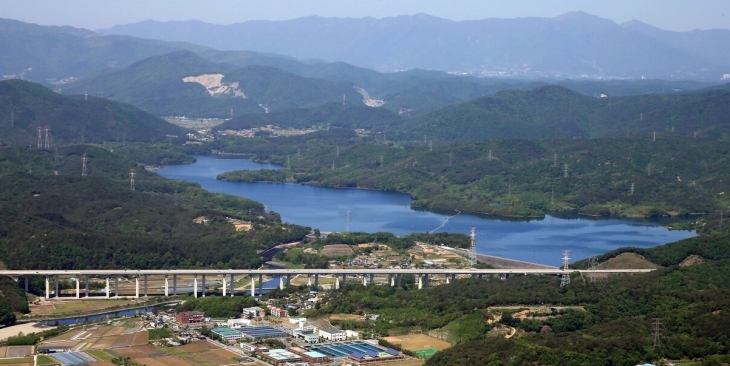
337,250
413,342
692,260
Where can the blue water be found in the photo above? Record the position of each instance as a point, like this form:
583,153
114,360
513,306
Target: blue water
540,241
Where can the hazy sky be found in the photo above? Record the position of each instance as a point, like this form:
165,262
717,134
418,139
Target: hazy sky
678,15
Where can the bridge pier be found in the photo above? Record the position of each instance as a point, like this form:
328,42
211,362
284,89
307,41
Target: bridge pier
261,284
48,289
337,283
372,278
174,285
167,288
78,287
253,286
316,282
145,285
420,282
365,280
224,285
86,284
108,288
400,280
448,280
281,283
391,279
288,280
195,286
453,277
57,293
136,287
204,287
116,286
26,283
425,280
233,285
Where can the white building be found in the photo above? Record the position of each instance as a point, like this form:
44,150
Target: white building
352,334
332,334
237,323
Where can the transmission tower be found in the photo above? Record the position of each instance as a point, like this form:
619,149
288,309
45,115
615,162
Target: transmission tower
565,170
131,179
83,164
473,248
566,268
593,262
657,328
40,137
348,219
47,144
632,189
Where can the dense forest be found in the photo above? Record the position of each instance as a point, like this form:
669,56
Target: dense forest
630,176
614,328
66,220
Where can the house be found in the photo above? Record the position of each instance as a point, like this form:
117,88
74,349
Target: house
186,317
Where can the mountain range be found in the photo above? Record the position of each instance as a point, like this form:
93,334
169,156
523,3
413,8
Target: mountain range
571,45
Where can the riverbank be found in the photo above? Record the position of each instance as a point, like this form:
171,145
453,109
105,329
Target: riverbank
24,328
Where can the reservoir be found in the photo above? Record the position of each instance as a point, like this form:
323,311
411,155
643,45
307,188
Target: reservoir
540,241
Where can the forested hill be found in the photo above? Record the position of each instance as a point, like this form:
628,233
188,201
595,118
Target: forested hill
333,115
25,106
156,85
55,218
557,112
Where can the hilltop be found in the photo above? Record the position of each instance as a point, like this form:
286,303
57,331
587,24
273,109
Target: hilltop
25,106
573,45
183,83
557,112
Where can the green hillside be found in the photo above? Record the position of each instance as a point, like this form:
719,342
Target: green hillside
672,176
334,115
25,106
156,85
557,112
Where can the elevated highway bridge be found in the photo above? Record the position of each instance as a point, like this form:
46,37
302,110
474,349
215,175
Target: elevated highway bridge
394,275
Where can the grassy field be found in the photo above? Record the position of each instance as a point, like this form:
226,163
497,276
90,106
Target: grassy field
627,261
73,306
46,360
25,361
100,354
414,342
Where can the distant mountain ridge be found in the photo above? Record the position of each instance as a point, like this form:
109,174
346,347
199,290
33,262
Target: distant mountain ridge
571,45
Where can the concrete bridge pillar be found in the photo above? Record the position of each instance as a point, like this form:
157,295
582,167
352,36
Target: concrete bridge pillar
480,276
261,284
233,285
167,287
253,286
195,286
425,281
108,288
344,279
116,286
365,280
48,289
372,279
26,284
288,280
78,287
204,287
448,279
309,280
391,279
316,282
224,285
174,284
400,280
136,287
281,283
145,285
420,282
58,291
337,283
86,284
453,277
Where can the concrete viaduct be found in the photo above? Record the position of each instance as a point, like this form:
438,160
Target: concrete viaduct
284,275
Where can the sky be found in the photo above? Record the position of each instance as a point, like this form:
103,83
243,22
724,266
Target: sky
676,15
